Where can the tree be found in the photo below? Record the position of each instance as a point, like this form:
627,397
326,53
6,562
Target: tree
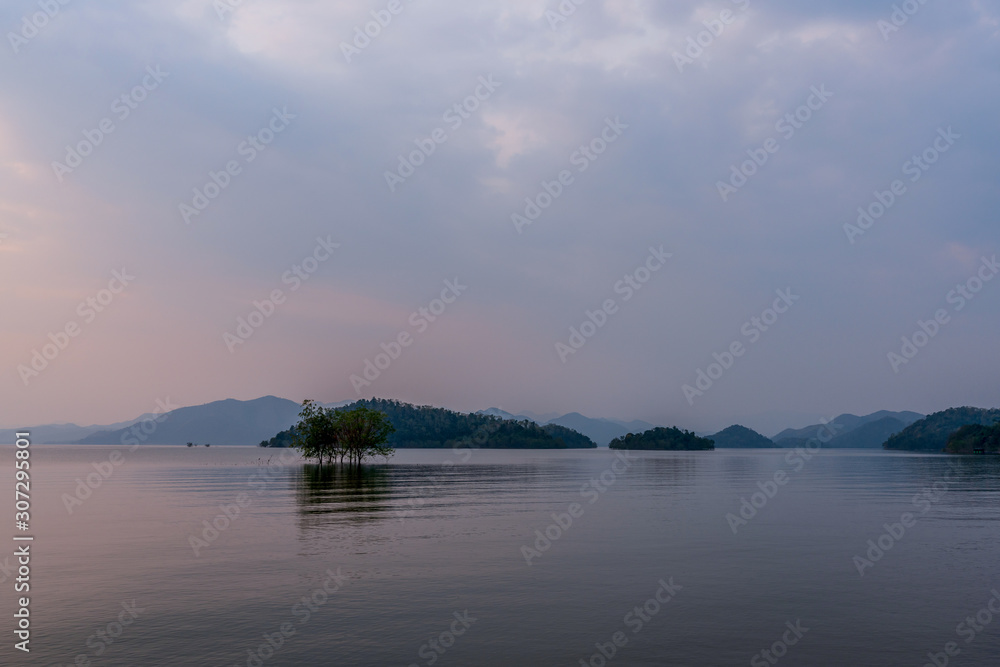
364,433
328,434
316,435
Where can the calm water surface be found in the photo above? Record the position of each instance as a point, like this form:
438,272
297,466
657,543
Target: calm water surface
416,542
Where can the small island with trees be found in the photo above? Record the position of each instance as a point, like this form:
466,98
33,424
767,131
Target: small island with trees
426,427
663,439
954,431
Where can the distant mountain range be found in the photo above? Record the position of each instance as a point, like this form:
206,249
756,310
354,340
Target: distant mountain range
851,431
427,427
932,433
234,422
60,434
228,422
601,431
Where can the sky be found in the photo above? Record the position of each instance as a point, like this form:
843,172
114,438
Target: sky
590,202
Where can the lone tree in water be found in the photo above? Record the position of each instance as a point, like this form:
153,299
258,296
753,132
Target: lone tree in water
328,434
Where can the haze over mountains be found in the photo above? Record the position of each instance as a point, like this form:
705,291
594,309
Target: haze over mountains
235,422
226,422
851,431
601,431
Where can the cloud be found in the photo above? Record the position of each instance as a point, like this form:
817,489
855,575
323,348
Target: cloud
325,174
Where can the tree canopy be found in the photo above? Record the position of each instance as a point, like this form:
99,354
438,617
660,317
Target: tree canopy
931,433
430,427
660,438
329,435
975,437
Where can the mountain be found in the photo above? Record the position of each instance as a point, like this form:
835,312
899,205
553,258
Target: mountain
634,426
228,422
503,414
741,437
662,439
540,418
601,431
868,436
931,433
571,438
436,428
842,425
975,439
60,434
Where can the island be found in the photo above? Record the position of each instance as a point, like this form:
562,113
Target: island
427,427
934,432
663,439
741,437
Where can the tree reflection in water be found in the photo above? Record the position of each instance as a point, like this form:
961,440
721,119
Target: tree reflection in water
329,494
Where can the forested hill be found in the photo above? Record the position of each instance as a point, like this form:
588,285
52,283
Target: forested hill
975,439
434,428
741,437
931,433
668,439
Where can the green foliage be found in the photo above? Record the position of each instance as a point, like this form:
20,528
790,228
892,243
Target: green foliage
931,433
973,437
436,428
363,433
741,437
568,437
328,434
671,439
283,439
316,435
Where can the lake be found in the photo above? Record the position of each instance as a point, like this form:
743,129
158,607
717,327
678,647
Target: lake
510,558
